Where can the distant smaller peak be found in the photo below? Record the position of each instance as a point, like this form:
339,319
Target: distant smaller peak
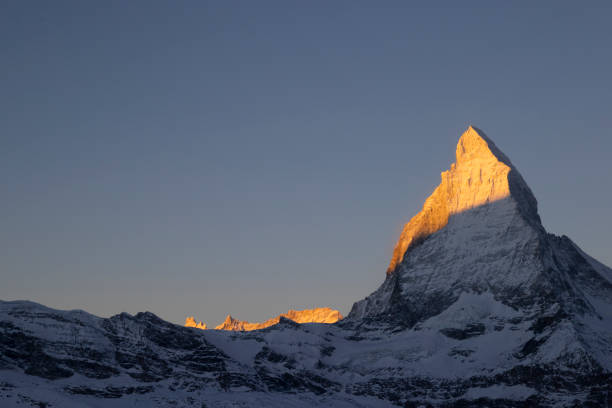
316,315
191,322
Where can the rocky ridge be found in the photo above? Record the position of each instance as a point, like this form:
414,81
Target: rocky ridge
191,322
317,315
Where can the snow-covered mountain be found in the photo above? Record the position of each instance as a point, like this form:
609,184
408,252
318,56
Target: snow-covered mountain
480,307
480,232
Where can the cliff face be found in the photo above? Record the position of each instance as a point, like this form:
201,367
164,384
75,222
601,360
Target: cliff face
482,174
317,315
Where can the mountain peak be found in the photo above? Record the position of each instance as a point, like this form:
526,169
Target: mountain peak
482,174
475,144
479,232
191,322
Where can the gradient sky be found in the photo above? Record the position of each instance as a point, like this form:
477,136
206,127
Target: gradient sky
246,157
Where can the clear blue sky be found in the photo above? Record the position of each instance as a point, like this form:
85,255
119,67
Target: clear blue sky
251,157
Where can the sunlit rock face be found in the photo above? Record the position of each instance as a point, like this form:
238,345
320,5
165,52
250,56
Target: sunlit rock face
191,322
479,232
481,175
318,315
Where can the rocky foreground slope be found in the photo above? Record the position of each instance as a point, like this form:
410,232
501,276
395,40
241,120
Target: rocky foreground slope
480,307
